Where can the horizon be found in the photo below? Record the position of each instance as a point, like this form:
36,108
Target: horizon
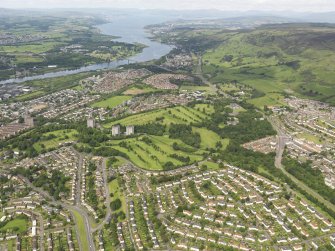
299,6
162,9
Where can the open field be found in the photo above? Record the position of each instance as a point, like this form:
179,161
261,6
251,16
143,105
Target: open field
18,225
30,48
60,137
270,99
111,102
117,194
210,138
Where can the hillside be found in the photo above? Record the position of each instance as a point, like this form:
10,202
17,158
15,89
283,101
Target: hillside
289,58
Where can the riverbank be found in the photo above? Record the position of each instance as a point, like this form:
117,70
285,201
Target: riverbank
130,33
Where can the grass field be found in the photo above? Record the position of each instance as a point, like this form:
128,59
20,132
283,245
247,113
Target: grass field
117,194
310,137
81,230
111,102
61,137
20,224
29,96
271,99
210,138
31,48
211,165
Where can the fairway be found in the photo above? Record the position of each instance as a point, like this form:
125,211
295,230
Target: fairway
177,115
111,102
153,156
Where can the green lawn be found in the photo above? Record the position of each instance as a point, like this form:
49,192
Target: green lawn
211,165
111,102
61,137
81,229
20,223
210,138
117,194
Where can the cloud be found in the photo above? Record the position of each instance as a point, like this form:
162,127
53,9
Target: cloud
296,5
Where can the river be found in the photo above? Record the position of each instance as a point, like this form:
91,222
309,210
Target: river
129,29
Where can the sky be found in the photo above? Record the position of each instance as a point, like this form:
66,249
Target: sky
240,5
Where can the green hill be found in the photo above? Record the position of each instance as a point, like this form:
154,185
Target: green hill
288,58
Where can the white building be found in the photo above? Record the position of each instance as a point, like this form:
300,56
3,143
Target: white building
90,121
130,130
116,130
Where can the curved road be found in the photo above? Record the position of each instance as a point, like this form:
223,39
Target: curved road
69,207
281,142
